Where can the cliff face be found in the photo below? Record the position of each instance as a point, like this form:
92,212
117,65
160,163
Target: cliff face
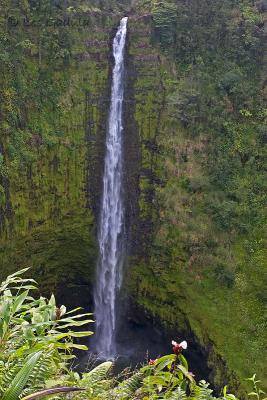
55,91
193,164
200,264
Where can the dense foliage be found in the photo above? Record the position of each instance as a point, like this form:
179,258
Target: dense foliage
36,337
208,252
35,347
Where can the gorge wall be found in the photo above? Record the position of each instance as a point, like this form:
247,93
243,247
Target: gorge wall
194,159
54,108
200,266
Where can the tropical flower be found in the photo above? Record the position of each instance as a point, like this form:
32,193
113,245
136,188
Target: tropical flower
179,347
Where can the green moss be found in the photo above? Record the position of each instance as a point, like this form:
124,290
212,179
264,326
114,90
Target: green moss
203,263
48,152
59,255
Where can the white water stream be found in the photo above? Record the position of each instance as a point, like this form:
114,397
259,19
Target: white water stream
111,227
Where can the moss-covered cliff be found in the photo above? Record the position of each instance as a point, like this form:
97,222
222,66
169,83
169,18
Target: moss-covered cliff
54,90
200,95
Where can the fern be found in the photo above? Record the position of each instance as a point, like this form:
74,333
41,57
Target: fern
95,382
128,387
20,380
40,373
36,339
178,394
202,391
99,373
8,372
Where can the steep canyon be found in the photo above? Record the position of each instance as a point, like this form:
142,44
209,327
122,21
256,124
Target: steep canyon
195,129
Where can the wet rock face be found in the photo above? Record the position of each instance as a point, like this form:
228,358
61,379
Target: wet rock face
132,154
143,109
46,216
140,335
152,307
143,337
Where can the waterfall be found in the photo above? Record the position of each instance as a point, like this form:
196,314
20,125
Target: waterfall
111,226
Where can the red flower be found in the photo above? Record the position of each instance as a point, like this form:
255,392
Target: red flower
179,347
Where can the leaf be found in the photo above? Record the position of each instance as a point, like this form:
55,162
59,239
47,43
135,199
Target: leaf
75,323
70,319
28,287
251,379
183,361
17,273
68,346
164,364
72,334
74,310
169,359
99,373
19,301
231,396
20,380
185,372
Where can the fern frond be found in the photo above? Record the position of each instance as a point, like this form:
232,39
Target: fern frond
178,394
40,373
128,387
202,391
20,380
99,373
8,373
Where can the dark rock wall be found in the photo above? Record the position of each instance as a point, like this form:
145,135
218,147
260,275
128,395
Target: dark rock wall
49,208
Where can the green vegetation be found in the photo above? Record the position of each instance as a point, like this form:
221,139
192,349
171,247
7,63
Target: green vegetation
203,266
198,103
63,257
36,343
35,337
48,70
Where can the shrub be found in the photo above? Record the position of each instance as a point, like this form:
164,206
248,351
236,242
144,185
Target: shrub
36,337
36,342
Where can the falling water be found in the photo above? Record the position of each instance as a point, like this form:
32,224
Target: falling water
110,236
